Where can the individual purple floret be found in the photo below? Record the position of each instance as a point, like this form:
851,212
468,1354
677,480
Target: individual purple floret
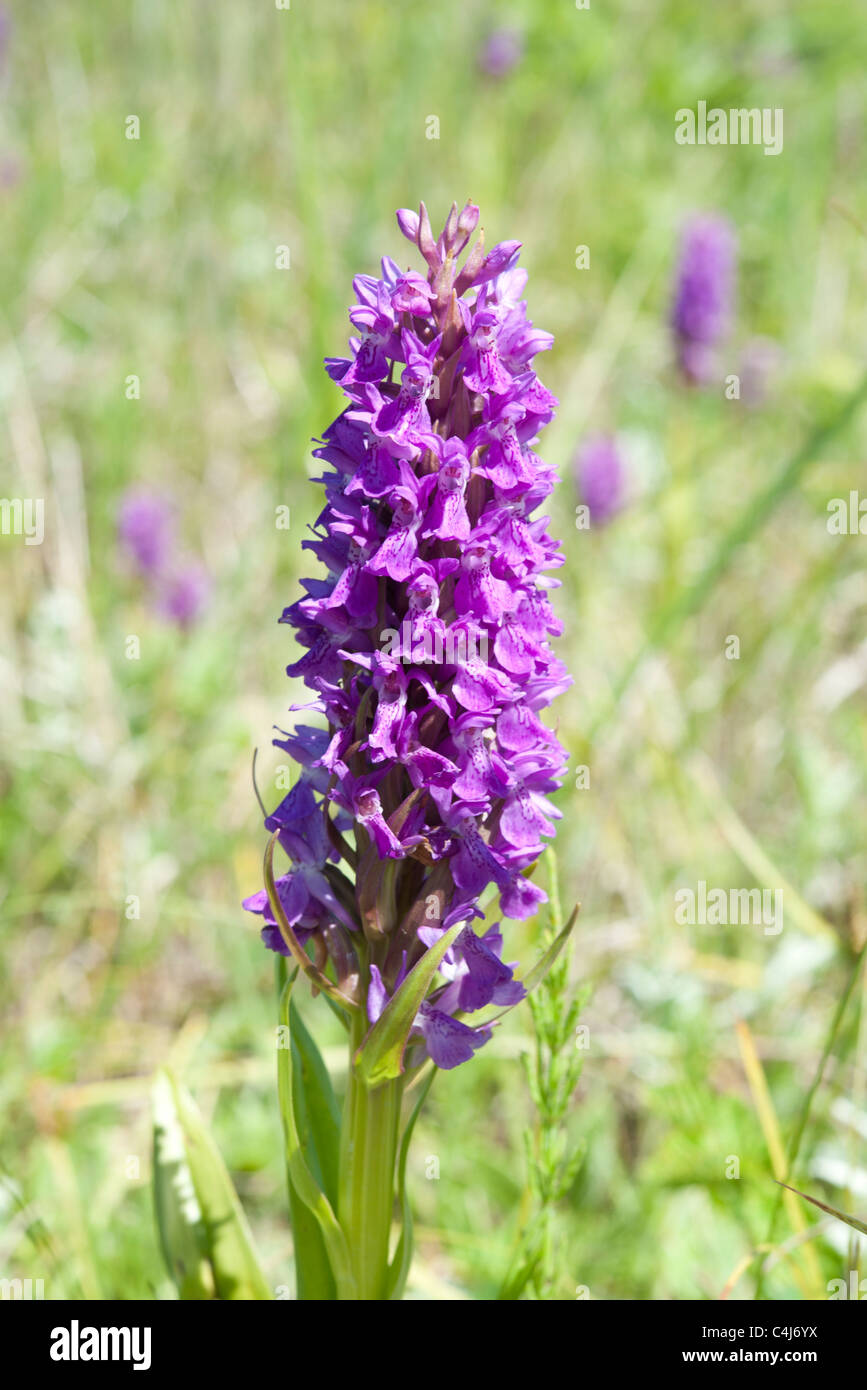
146,530
425,641
502,50
601,477
704,293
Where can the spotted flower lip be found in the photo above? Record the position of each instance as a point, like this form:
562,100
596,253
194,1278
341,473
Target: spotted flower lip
426,638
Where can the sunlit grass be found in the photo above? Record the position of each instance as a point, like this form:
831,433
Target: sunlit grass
156,257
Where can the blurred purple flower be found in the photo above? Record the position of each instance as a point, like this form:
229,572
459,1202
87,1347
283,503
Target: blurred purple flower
146,529
704,292
502,50
184,594
601,477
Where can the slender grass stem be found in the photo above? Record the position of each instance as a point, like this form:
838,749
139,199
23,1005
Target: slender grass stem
794,1147
749,522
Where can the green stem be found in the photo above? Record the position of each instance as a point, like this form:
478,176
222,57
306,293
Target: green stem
367,1172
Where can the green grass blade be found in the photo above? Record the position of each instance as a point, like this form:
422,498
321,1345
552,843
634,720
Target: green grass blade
204,1232
750,521
541,969
796,1140
832,1211
535,976
179,1216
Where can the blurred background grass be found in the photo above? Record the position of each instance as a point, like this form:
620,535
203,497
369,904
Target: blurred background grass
156,257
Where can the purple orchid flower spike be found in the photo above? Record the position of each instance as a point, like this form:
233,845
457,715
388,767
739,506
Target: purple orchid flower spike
425,641
428,641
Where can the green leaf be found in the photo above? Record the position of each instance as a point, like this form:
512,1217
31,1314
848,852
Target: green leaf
204,1234
543,965
314,1281
832,1211
380,1057
318,1120
555,911
399,1267
179,1216
303,1184
317,1113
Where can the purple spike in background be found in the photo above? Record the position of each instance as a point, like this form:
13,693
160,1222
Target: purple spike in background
704,294
501,51
184,593
145,528
601,477
179,587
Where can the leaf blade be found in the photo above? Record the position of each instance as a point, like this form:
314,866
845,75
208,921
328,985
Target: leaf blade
303,1182
852,1221
178,1214
543,965
380,1056
222,1229
318,1119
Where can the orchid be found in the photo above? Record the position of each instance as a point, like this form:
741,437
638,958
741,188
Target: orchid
502,50
427,648
703,294
180,588
145,527
601,477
